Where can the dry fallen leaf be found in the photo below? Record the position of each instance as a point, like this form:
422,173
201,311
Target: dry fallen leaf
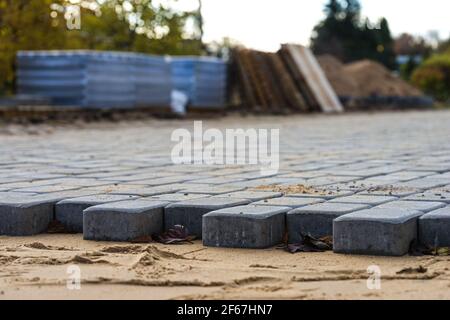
311,244
178,234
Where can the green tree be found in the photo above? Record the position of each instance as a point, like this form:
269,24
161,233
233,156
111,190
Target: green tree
26,25
122,25
433,77
345,35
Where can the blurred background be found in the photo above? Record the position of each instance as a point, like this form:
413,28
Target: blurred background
355,41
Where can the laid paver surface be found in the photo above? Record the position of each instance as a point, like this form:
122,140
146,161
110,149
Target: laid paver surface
366,159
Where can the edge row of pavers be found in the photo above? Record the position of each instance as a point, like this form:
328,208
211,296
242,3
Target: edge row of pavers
241,219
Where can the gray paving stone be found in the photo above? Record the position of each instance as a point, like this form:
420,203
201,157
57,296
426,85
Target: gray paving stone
189,213
434,228
178,197
304,175
425,183
327,180
245,227
252,195
322,194
410,175
124,220
290,202
423,206
56,197
361,199
78,182
390,190
434,196
24,215
25,184
375,231
317,220
70,211
311,167
131,177
47,189
212,190
217,180
167,180
144,191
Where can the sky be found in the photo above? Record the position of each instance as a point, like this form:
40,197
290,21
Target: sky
264,24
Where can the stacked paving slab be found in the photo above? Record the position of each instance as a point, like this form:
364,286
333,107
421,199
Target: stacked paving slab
372,198
106,79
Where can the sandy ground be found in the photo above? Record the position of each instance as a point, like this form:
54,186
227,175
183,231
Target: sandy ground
36,268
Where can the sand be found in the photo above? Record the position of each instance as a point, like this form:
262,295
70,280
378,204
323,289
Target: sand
364,78
344,85
36,268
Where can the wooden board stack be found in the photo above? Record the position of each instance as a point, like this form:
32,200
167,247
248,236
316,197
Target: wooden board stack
289,80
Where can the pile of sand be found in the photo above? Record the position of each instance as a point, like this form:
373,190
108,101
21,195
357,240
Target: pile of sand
334,69
365,78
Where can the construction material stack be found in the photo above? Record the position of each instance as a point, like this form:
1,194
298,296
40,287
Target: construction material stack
94,79
290,80
202,79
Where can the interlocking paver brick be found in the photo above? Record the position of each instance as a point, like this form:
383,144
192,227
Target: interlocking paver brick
189,213
290,202
178,197
424,206
212,190
375,231
362,199
24,215
322,194
328,180
124,220
70,211
433,196
434,228
46,189
425,183
390,190
245,227
252,195
317,219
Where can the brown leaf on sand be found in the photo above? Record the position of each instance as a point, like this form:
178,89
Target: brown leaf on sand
56,227
417,249
311,244
177,235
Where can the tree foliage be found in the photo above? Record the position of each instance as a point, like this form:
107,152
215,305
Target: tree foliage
346,35
433,77
120,25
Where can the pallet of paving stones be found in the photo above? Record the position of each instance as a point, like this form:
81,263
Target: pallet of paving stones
240,211
120,80
202,79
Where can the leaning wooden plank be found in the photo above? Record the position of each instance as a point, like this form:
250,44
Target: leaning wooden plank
282,103
244,81
276,103
251,70
286,83
298,79
315,78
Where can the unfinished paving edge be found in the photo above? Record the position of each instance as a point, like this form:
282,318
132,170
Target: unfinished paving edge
253,227
124,220
387,232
